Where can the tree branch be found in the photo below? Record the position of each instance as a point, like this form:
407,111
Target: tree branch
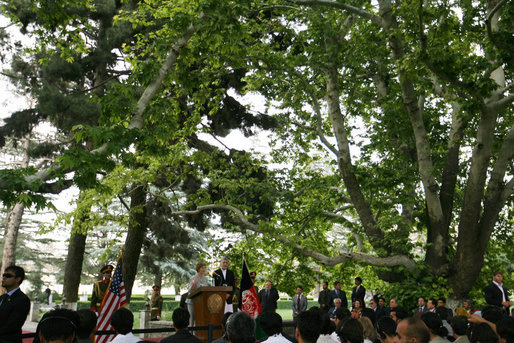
488,24
392,261
498,105
327,3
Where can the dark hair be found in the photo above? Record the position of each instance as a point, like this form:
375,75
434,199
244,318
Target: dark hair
417,328
325,282
442,299
496,272
368,312
271,323
434,302
351,331
309,325
59,324
336,283
299,287
385,326
401,313
241,328
180,318
424,299
505,329
483,333
442,312
434,324
327,326
224,321
342,313
18,272
87,323
381,298
492,313
122,320
358,278
459,325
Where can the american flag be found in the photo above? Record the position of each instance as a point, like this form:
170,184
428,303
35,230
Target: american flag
113,299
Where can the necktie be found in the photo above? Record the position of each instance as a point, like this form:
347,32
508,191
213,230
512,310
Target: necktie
298,306
2,298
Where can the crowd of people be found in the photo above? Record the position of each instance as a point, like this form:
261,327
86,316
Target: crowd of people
330,322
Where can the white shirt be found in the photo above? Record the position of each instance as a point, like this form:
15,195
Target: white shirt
128,338
277,338
326,339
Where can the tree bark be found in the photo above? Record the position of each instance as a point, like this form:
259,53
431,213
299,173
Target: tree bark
73,267
135,235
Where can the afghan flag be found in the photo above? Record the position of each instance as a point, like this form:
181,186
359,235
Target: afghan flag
249,298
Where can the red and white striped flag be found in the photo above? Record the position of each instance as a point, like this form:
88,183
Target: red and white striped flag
113,299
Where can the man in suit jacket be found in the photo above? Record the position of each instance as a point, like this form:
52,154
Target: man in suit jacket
379,311
180,319
358,292
337,293
496,294
268,297
422,307
14,305
299,303
225,277
323,298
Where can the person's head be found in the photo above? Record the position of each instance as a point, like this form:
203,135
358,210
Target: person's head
381,301
58,326
358,280
180,318
107,271
357,304
412,330
308,326
441,302
386,329
431,303
337,285
492,313
369,313
224,262
367,327
393,303
421,301
200,265
459,325
482,333
442,312
224,321
299,290
325,285
498,277
373,304
434,324
240,328
267,284
122,320
253,275
87,326
271,323
341,314
467,304
337,302
156,289
505,329
12,277
351,332
398,313
327,325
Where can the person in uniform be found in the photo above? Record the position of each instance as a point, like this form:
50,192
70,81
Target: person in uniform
156,303
236,298
99,287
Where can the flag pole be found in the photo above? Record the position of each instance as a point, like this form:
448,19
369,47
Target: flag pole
110,281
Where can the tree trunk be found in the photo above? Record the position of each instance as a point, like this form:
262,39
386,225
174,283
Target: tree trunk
135,235
11,235
73,268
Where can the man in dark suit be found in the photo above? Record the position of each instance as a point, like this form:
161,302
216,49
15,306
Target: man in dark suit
379,311
14,305
422,307
268,297
323,298
225,277
358,292
337,293
496,294
180,319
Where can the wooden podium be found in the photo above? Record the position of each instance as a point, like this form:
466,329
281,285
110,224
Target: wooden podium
209,305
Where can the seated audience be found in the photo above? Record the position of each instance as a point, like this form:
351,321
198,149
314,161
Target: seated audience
328,328
351,332
459,326
240,328
122,321
412,330
505,329
442,312
398,313
435,326
385,329
308,327
180,319
367,329
86,329
271,324
223,339
58,325
483,333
